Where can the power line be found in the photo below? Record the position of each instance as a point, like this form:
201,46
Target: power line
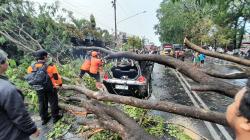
124,11
131,16
86,16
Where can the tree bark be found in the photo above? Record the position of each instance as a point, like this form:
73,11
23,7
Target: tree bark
240,75
165,106
111,118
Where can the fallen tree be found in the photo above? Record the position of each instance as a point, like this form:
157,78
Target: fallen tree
185,68
165,106
111,118
207,81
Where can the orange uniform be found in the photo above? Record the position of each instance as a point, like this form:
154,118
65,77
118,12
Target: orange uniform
52,72
86,65
95,66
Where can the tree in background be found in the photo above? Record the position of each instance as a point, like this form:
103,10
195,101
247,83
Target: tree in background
92,21
30,29
133,43
220,23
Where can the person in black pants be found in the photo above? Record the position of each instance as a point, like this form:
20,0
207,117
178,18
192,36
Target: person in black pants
47,94
45,97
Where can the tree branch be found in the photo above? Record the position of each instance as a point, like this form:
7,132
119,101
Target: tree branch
34,40
23,47
165,106
240,75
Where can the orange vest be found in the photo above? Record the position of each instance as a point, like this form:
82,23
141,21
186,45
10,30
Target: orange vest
51,69
95,64
86,65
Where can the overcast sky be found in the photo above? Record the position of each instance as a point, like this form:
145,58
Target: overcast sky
141,25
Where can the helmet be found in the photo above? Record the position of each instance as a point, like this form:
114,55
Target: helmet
40,54
94,54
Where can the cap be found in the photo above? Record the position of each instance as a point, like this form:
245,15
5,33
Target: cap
40,53
3,57
94,53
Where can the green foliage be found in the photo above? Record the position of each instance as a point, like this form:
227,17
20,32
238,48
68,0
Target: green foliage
92,21
71,71
16,74
2,40
107,66
106,135
134,112
205,21
133,43
89,82
59,129
30,29
154,125
177,132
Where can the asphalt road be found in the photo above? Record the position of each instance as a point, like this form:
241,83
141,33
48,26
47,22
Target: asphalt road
167,87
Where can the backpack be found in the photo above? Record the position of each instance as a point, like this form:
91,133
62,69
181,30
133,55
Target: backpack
39,78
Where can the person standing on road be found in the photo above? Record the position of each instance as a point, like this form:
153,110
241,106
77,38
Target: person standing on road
48,93
86,65
196,59
238,113
95,68
15,122
202,59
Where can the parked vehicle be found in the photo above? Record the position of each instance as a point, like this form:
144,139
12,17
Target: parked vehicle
179,51
166,49
129,78
220,50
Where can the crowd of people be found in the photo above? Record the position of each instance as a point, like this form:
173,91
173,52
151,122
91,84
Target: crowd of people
16,123
198,59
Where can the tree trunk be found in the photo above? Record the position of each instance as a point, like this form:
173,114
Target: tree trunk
235,34
242,31
165,106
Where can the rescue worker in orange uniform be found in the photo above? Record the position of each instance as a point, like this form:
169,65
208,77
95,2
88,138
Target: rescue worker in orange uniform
50,93
95,68
86,65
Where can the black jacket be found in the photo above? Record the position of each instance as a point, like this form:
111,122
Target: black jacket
15,122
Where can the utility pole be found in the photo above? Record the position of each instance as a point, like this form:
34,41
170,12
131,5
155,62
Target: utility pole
114,5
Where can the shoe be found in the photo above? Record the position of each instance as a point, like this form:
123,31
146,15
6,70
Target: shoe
56,119
45,121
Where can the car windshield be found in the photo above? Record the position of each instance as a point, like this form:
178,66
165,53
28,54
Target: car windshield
177,46
125,68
